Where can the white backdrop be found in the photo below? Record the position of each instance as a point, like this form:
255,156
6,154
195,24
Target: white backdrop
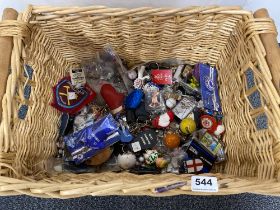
272,5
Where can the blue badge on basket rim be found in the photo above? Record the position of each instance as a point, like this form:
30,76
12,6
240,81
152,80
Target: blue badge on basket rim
23,109
250,78
22,112
27,91
261,121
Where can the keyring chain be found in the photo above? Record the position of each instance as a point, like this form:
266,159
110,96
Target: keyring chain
136,127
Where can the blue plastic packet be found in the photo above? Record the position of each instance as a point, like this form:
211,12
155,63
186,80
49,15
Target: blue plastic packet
85,143
125,135
209,88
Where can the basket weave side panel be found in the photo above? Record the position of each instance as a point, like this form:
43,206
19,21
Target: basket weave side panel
37,134
251,151
254,27
236,111
26,144
192,38
19,30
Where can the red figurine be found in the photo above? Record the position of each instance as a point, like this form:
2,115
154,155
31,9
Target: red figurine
112,98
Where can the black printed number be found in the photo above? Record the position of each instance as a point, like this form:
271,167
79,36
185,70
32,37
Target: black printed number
203,181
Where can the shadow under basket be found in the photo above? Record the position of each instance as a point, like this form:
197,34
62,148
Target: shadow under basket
48,41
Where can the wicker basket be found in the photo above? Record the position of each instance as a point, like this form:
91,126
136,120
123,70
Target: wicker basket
53,39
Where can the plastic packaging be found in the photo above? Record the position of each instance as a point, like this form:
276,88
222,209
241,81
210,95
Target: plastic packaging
107,68
185,107
87,142
154,102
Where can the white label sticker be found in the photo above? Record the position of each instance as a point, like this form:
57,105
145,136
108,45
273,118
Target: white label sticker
204,184
78,78
136,146
72,95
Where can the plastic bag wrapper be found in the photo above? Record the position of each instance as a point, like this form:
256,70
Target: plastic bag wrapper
211,143
122,71
187,89
107,66
154,102
209,88
83,120
111,165
169,92
80,169
87,142
88,116
160,146
221,156
92,70
59,166
92,73
184,107
53,165
175,160
78,79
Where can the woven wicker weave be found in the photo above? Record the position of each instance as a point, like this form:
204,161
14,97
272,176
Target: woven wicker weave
53,39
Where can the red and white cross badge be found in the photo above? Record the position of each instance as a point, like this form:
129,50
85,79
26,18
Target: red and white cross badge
194,165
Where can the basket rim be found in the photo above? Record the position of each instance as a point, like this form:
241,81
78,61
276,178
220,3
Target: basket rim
64,187
36,9
44,13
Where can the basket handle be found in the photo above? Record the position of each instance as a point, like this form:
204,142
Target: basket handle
6,46
271,46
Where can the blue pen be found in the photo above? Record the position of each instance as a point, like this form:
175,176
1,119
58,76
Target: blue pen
169,187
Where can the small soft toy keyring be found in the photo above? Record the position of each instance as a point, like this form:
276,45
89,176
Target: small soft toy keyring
126,160
163,120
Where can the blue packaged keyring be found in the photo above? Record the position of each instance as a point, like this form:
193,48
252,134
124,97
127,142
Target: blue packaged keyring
209,87
87,142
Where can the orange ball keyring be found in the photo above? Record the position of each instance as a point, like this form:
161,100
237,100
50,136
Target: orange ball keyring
171,140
